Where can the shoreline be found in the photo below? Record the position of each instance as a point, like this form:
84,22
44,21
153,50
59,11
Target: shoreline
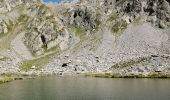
9,77
117,75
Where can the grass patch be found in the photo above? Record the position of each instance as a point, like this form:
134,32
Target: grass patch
98,14
106,75
103,75
28,65
98,23
6,38
23,18
56,49
159,75
97,20
130,75
8,77
1,0
79,32
2,58
9,27
113,17
136,20
131,62
118,26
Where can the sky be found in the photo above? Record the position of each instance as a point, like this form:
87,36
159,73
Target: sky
52,0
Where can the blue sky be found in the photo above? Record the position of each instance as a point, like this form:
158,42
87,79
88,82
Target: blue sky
52,0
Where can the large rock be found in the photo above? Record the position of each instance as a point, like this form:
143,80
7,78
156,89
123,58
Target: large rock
44,31
81,16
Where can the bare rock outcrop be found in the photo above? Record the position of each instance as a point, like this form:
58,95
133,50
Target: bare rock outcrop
155,11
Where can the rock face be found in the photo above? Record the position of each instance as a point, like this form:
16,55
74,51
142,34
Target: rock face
44,31
45,28
157,11
87,35
14,12
82,17
41,27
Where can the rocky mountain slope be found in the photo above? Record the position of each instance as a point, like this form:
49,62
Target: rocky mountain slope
119,37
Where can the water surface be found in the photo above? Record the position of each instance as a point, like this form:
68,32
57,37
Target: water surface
86,88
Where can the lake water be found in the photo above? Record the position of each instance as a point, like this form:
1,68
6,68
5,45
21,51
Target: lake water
86,88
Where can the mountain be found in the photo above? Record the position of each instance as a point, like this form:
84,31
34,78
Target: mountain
117,38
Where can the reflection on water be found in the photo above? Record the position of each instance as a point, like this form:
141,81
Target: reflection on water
86,88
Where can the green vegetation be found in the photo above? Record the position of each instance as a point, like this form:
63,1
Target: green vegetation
112,75
5,38
50,17
9,27
136,20
2,58
98,23
159,75
98,14
12,29
97,20
23,18
53,49
8,77
118,75
104,75
118,26
80,32
131,62
113,17
37,63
